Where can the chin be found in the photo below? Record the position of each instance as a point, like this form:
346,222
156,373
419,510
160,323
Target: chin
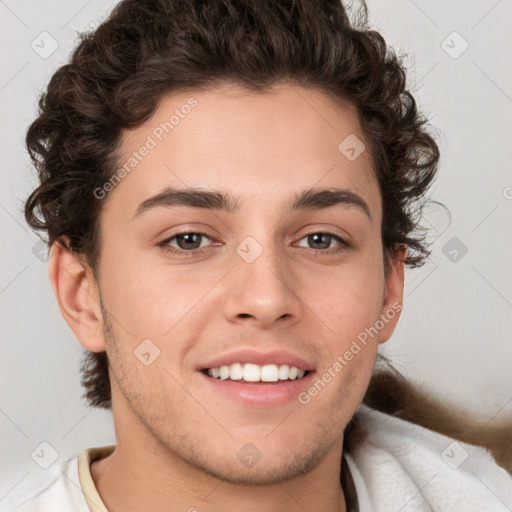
250,466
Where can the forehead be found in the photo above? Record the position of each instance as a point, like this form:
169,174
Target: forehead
259,146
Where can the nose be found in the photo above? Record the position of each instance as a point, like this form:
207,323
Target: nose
263,291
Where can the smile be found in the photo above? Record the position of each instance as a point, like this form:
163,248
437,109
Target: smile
250,372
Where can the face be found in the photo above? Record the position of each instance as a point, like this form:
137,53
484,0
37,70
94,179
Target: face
188,285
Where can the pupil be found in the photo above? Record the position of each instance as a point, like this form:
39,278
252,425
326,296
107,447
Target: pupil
187,241
317,235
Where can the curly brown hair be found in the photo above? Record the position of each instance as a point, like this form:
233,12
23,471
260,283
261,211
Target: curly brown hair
147,48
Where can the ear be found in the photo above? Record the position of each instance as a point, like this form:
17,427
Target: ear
78,297
393,293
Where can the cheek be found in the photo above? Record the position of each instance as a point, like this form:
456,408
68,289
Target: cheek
350,300
149,299
351,306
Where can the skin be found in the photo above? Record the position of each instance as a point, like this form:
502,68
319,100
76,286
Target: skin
177,440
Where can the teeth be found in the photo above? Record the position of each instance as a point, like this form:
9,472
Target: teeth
269,373
224,372
236,371
254,373
251,372
283,372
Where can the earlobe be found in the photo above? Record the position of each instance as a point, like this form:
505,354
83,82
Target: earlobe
78,297
393,293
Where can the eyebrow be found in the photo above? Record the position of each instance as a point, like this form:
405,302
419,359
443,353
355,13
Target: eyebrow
311,199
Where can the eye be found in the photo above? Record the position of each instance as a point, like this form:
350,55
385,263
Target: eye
189,243
322,241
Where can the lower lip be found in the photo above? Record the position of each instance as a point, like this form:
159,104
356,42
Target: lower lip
260,394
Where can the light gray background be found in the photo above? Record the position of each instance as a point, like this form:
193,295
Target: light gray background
454,334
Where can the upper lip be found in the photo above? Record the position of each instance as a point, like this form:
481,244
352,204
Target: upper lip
260,358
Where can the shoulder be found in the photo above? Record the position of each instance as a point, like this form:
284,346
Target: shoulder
60,491
403,464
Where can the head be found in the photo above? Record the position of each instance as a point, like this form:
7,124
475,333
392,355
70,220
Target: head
309,163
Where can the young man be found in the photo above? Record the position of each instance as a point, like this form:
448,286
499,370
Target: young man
228,191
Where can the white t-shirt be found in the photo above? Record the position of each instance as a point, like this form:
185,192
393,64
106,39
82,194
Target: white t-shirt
400,466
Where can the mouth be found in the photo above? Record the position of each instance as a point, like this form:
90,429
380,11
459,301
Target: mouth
250,373
255,386
254,378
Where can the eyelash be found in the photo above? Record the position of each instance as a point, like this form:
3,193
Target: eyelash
184,254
